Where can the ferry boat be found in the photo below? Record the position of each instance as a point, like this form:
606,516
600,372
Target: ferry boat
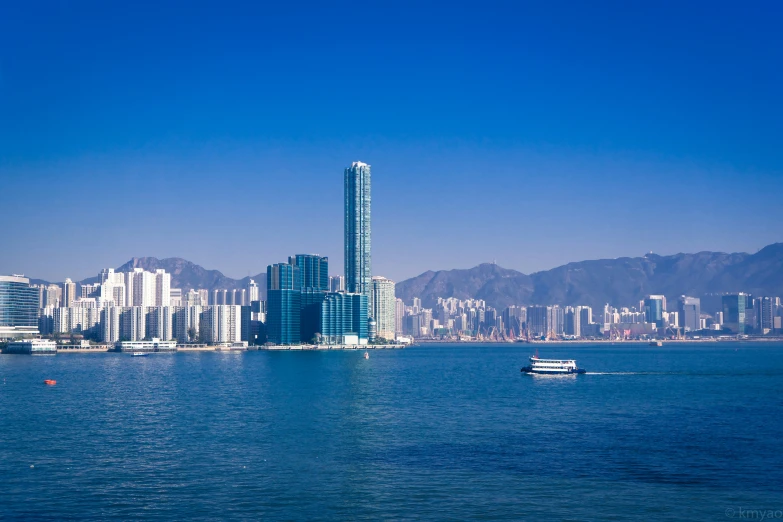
552,366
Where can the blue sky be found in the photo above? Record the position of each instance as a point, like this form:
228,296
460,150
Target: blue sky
530,134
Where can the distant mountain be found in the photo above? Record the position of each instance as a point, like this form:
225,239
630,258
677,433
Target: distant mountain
184,275
621,282
187,275
486,281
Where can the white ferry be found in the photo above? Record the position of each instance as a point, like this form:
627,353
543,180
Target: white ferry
552,366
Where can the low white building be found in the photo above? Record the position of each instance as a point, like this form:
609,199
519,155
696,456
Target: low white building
32,347
155,345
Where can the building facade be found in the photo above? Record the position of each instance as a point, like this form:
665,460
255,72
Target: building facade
18,307
344,315
383,307
358,260
734,309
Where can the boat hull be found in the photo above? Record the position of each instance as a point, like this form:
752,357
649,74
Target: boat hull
528,369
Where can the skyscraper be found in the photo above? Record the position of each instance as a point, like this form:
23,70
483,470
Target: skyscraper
689,309
358,261
252,291
734,307
69,293
337,284
654,307
383,307
18,307
313,271
344,315
283,303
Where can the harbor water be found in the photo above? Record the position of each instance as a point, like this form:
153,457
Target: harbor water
678,432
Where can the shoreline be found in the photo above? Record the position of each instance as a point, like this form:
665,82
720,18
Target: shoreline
604,341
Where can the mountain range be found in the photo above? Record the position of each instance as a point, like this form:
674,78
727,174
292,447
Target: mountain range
184,275
621,282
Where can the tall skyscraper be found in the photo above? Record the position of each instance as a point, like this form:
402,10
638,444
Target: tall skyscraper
162,288
283,303
142,287
689,309
537,320
734,308
313,271
383,307
69,293
654,307
358,261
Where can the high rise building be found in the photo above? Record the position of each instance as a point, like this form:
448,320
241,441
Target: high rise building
221,324
162,290
283,304
383,307
69,293
175,297
344,315
399,314
313,271
358,260
133,323
113,287
90,290
514,317
252,292
654,307
537,320
734,307
572,321
18,307
188,323
555,320
689,312
586,318
310,303
159,323
141,288
53,296
337,284
765,315
110,324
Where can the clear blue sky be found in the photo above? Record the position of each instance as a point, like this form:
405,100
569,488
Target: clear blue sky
530,134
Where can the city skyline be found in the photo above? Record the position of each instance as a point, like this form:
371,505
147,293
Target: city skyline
518,134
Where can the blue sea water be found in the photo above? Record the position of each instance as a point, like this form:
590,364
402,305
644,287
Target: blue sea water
681,432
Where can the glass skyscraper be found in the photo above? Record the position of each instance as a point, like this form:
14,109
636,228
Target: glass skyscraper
343,314
358,261
18,307
283,303
653,309
734,309
313,271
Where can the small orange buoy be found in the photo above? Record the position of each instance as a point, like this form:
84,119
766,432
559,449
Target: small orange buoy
50,382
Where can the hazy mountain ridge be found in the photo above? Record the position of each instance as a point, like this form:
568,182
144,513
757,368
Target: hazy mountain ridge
184,275
621,282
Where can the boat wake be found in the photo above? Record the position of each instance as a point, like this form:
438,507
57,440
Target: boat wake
619,373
